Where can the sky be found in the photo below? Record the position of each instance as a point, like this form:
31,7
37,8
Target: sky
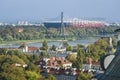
37,10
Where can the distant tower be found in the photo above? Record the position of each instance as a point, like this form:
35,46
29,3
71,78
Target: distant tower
62,26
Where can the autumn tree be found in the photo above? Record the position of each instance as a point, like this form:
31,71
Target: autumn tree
71,57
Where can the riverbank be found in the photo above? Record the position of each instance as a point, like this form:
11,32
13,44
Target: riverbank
28,41
38,43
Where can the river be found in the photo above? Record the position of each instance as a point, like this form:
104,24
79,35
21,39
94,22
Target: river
56,43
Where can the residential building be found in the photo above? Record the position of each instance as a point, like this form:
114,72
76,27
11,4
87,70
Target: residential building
25,48
55,62
90,65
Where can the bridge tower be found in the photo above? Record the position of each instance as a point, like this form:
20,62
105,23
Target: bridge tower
62,29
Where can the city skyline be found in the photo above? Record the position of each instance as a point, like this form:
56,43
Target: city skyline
37,10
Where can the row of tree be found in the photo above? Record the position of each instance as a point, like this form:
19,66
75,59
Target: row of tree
40,32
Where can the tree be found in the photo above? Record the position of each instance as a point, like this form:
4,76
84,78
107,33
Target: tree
69,48
114,42
35,57
31,75
84,76
44,45
44,55
50,77
71,57
14,52
32,67
26,58
10,60
8,37
53,48
12,73
8,70
79,59
99,48
80,46
65,44
3,51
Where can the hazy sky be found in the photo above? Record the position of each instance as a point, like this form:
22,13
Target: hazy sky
36,10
